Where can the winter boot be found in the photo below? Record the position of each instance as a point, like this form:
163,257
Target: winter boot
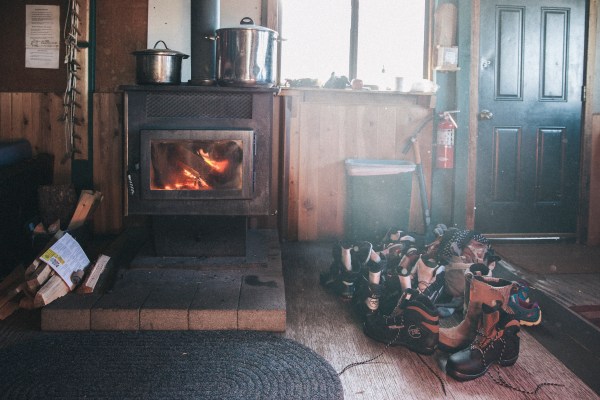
425,273
478,290
497,341
413,324
361,254
371,304
405,267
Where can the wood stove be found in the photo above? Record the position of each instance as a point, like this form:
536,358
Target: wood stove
198,155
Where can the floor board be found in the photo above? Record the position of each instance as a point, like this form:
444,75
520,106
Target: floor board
317,319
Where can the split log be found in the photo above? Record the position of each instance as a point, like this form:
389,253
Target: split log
96,274
39,277
54,288
87,204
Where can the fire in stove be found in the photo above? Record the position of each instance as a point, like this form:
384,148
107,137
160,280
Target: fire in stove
196,165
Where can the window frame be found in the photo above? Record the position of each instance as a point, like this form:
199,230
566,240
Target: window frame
271,18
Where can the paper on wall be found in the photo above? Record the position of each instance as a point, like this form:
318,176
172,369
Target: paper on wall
66,257
42,36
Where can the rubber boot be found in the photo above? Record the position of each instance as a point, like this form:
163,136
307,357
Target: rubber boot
497,341
371,303
413,324
425,273
455,282
478,290
405,267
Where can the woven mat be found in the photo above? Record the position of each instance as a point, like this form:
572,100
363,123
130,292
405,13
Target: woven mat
165,365
558,258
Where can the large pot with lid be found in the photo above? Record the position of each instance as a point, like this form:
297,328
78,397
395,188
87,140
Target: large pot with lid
158,66
246,55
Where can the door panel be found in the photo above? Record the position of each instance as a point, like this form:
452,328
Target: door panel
530,79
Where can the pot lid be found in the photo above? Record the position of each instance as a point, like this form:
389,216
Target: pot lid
160,52
248,23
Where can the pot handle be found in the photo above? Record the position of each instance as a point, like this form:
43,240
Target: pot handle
161,41
246,21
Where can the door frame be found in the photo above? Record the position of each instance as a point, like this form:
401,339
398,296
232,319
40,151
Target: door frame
583,222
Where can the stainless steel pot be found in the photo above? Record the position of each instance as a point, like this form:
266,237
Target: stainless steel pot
246,55
158,66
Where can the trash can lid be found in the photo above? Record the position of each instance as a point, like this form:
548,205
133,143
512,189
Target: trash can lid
369,167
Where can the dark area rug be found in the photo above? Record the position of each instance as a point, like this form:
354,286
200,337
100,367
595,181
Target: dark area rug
555,258
165,365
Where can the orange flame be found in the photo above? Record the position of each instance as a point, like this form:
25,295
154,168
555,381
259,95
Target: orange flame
219,166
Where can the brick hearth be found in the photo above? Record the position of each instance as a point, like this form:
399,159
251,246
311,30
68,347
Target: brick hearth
184,294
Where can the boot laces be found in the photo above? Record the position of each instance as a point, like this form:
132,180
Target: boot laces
484,342
372,303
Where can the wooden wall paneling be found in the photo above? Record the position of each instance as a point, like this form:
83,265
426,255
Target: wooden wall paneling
108,153
35,117
327,133
308,179
387,132
5,114
593,234
291,157
330,173
56,139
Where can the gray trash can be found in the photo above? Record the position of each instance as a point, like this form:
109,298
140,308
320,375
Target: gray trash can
378,197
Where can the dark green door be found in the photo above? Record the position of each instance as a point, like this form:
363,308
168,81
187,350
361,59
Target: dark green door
530,105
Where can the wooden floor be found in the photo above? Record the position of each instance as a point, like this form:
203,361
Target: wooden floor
317,319
320,321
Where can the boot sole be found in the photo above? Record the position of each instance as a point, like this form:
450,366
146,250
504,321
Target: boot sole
529,323
459,376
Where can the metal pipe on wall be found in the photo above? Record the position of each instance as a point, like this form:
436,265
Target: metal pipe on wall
205,20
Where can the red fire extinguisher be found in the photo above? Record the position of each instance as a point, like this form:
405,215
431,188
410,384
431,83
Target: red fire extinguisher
445,140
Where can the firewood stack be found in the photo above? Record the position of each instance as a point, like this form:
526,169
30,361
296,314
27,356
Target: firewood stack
39,284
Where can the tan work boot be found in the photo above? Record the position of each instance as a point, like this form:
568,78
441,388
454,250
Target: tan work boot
478,290
497,341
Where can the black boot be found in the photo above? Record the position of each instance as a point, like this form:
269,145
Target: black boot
496,342
413,324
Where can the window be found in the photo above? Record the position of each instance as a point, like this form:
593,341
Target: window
390,38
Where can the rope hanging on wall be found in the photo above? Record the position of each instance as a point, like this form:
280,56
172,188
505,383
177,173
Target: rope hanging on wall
72,97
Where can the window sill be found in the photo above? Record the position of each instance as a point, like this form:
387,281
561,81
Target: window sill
322,95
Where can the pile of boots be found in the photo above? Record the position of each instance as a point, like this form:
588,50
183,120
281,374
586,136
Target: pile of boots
399,291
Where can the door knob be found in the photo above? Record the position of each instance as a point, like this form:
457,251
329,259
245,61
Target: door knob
485,115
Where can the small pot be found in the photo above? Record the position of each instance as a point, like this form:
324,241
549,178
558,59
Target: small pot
158,66
246,55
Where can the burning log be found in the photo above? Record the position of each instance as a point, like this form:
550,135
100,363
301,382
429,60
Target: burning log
210,165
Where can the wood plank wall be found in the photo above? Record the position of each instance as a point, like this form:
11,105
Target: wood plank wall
323,128
594,212
36,117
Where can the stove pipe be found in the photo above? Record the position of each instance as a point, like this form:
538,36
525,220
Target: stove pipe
205,21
